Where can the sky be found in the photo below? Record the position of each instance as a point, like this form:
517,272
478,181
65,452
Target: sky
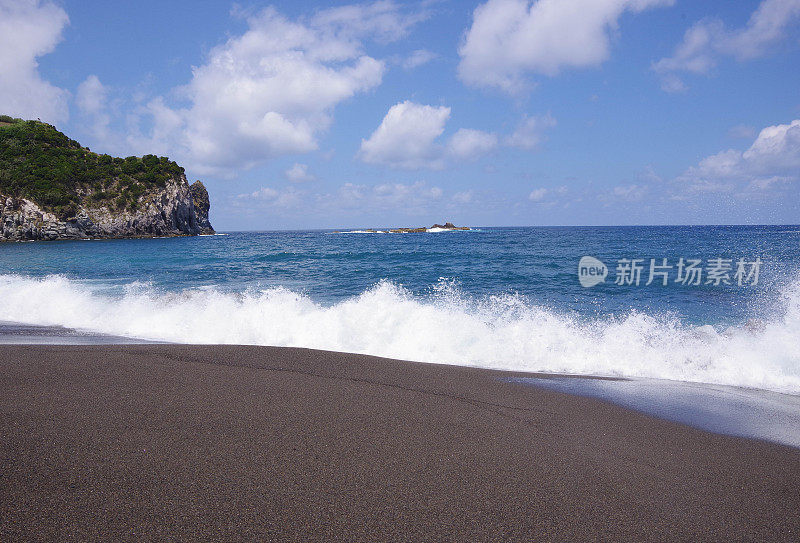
304,114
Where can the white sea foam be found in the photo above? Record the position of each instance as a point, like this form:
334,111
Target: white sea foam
447,327
427,231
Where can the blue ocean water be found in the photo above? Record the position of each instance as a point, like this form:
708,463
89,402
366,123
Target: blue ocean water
495,297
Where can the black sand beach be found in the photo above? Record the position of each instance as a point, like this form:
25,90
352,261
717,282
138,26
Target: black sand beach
172,442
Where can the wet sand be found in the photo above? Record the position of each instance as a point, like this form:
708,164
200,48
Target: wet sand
177,442
14,333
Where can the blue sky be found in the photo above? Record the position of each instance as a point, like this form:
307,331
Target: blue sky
306,114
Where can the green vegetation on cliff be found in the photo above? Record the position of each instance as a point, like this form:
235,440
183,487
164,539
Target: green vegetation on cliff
39,163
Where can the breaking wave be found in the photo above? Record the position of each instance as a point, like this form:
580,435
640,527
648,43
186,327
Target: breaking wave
447,326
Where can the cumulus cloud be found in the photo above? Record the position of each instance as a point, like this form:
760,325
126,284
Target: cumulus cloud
28,30
773,158
299,174
91,96
272,90
468,143
530,132
408,137
92,101
708,40
510,39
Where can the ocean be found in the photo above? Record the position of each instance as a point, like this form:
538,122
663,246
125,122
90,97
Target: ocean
505,298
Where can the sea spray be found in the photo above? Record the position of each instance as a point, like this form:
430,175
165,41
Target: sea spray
446,326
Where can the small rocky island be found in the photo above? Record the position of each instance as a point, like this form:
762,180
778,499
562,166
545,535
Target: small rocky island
53,188
448,226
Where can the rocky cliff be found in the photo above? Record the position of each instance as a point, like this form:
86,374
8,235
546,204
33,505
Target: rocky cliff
177,209
53,188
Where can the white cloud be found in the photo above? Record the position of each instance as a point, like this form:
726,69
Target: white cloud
299,174
509,39
264,193
382,20
530,132
777,148
92,101
397,193
774,155
767,183
409,197
630,193
708,40
28,30
467,144
413,198
267,196
91,96
408,138
272,90
418,58
537,195
389,204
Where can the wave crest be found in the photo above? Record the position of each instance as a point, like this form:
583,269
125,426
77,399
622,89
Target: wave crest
503,331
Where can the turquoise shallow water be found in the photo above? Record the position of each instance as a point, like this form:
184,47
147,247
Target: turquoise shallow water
494,297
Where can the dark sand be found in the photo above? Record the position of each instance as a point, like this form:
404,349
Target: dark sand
166,442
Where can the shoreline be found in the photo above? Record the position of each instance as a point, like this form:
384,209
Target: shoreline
752,413
17,333
185,441
106,238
